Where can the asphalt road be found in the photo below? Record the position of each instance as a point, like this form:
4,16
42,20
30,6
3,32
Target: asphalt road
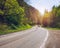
35,37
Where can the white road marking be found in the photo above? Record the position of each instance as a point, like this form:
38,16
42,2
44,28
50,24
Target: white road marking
43,44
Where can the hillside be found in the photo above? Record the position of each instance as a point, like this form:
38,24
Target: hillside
16,15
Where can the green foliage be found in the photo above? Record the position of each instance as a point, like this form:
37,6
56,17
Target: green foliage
14,12
8,30
1,12
56,20
12,16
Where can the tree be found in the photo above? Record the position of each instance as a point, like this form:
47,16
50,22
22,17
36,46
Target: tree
11,12
56,16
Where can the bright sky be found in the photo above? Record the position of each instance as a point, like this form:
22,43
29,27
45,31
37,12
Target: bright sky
41,5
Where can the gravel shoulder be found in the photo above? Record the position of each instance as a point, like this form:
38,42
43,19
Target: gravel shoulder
54,39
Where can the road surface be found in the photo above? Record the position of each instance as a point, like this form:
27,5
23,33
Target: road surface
35,37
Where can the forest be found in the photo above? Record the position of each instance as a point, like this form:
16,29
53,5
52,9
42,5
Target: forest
13,16
52,18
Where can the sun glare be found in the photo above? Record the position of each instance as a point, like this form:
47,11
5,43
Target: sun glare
41,10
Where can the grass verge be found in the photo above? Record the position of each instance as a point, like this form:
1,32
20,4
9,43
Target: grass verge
20,28
52,28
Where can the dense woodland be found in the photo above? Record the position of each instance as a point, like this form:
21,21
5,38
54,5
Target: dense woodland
13,16
52,18
16,15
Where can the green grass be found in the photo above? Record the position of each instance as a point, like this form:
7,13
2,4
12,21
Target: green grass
20,28
49,28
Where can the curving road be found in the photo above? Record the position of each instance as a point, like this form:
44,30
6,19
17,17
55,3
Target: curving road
35,37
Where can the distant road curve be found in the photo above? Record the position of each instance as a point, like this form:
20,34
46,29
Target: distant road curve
36,37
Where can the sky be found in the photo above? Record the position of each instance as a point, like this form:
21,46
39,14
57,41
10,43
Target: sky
41,5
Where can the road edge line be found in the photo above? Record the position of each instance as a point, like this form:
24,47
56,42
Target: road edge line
43,44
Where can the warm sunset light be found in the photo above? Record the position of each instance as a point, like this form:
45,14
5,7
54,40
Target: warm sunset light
41,10
41,5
